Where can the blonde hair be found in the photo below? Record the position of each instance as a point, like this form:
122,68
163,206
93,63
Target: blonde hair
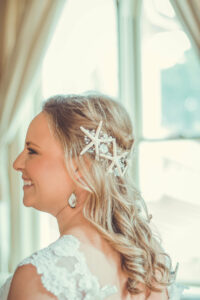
114,206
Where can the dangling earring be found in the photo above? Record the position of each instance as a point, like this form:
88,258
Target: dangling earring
72,200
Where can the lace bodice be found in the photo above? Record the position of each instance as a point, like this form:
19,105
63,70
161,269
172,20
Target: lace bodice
64,273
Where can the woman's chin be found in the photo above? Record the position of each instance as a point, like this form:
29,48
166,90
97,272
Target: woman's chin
27,202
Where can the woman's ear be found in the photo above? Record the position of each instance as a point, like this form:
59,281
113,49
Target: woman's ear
78,170
78,174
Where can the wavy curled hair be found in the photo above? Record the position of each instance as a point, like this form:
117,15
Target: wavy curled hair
114,206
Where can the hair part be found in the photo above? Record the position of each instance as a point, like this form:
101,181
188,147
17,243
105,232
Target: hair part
114,206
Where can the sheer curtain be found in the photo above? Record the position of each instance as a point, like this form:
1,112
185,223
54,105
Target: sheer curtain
188,12
26,28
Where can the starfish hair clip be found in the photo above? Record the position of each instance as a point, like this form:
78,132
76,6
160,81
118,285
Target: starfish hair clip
100,143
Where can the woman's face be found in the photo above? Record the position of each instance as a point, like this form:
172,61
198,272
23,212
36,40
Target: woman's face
42,163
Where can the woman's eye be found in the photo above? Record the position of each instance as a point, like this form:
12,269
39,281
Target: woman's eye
31,151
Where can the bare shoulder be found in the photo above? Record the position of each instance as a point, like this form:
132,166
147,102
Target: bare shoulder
26,285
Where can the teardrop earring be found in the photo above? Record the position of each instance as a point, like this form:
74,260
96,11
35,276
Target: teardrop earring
72,200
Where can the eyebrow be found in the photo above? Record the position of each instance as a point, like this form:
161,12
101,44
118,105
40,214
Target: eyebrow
29,143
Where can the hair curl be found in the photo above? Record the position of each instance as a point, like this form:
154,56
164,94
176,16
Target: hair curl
115,207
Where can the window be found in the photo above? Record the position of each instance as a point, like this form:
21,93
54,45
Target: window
169,153
83,53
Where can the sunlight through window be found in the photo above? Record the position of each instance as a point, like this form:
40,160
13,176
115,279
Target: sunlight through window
82,55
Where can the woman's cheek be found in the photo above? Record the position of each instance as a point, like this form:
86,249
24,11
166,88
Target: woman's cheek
38,170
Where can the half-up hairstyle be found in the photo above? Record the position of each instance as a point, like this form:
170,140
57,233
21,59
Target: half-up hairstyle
114,206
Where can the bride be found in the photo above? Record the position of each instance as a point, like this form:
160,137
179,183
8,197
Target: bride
76,166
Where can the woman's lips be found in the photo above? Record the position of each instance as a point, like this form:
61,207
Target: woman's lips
25,187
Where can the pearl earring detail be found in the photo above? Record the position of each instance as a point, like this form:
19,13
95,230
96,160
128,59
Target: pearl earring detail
72,200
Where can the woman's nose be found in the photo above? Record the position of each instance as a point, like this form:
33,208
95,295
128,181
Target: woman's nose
18,164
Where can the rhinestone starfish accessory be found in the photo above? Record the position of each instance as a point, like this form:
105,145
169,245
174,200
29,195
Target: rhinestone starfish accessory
100,143
119,162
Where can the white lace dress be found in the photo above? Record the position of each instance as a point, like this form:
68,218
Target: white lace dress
64,273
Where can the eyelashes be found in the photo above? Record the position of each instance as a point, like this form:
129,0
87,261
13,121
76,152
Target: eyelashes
31,151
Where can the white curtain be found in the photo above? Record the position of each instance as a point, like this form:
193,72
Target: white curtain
188,12
25,31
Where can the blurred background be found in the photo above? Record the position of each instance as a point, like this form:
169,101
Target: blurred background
143,53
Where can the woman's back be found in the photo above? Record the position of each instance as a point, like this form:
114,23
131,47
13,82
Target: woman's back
105,263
